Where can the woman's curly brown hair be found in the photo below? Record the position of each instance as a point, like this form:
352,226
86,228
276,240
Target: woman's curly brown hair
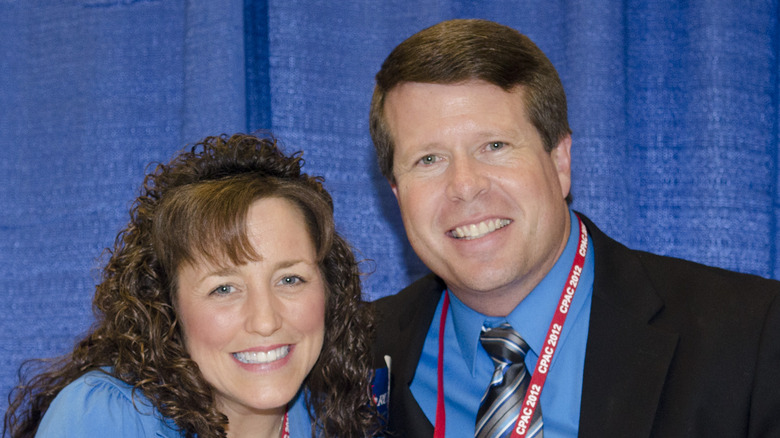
137,333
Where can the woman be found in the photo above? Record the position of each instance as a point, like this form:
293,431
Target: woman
229,307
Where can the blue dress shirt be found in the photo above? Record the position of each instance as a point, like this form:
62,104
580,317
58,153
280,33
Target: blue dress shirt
468,368
98,405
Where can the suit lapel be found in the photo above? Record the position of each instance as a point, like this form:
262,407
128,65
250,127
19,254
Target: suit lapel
627,359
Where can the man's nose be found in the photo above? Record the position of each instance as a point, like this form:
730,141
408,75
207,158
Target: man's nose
467,179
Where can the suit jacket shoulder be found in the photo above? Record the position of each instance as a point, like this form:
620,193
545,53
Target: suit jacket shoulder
676,348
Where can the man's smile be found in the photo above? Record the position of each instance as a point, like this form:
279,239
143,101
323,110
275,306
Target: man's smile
477,230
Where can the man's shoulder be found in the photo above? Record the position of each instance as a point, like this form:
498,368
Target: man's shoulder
402,314
424,290
683,286
697,323
667,272
678,266
677,276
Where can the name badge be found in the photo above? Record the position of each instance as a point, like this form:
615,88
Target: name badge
380,390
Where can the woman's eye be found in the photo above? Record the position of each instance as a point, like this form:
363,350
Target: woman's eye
224,289
289,280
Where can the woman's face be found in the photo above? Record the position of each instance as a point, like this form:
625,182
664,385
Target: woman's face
256,330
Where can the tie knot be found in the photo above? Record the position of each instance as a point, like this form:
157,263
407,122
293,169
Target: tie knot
504,344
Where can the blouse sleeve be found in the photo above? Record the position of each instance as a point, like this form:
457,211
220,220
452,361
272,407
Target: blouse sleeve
98,405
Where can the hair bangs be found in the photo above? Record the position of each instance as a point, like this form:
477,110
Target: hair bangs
206,221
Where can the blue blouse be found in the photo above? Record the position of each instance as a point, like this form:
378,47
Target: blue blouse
100,405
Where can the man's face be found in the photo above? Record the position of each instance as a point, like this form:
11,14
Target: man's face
483,203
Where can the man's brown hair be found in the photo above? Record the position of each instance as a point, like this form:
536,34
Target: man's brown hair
457,51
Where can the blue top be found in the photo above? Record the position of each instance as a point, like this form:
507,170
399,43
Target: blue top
99,405
468,368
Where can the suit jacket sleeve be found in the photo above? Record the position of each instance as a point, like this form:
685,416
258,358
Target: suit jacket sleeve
765,408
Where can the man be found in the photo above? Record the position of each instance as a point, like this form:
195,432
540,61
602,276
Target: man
470,127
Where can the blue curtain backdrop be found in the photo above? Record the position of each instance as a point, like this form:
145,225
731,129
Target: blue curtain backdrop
674,108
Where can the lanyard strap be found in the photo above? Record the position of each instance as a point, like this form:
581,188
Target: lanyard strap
532,396
438,431
285,425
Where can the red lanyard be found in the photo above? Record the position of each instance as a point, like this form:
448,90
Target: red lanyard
438,431
285,426
539,377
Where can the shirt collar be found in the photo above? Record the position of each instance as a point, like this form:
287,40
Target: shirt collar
531,318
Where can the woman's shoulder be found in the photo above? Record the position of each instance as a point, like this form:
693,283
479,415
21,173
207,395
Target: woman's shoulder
99,404
98,384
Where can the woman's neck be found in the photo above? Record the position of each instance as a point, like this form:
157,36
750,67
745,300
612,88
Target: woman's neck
256,425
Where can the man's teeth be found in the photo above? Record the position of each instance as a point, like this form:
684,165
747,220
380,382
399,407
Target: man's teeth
475,231
259,357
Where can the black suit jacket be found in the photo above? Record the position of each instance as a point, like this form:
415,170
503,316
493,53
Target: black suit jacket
675,349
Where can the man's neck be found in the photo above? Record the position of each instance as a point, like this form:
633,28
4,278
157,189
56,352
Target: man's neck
499,302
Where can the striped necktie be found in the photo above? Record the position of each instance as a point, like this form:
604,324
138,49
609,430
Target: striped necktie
500,406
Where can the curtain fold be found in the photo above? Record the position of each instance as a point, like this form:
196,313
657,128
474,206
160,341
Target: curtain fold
257,65
701,122
673,105
214,69
596,76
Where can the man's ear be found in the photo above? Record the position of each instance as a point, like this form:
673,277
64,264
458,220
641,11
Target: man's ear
561,156
394,188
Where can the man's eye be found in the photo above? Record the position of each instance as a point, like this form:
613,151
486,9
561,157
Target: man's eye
428,159
495,145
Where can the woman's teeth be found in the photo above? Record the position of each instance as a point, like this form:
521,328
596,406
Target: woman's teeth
262,357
